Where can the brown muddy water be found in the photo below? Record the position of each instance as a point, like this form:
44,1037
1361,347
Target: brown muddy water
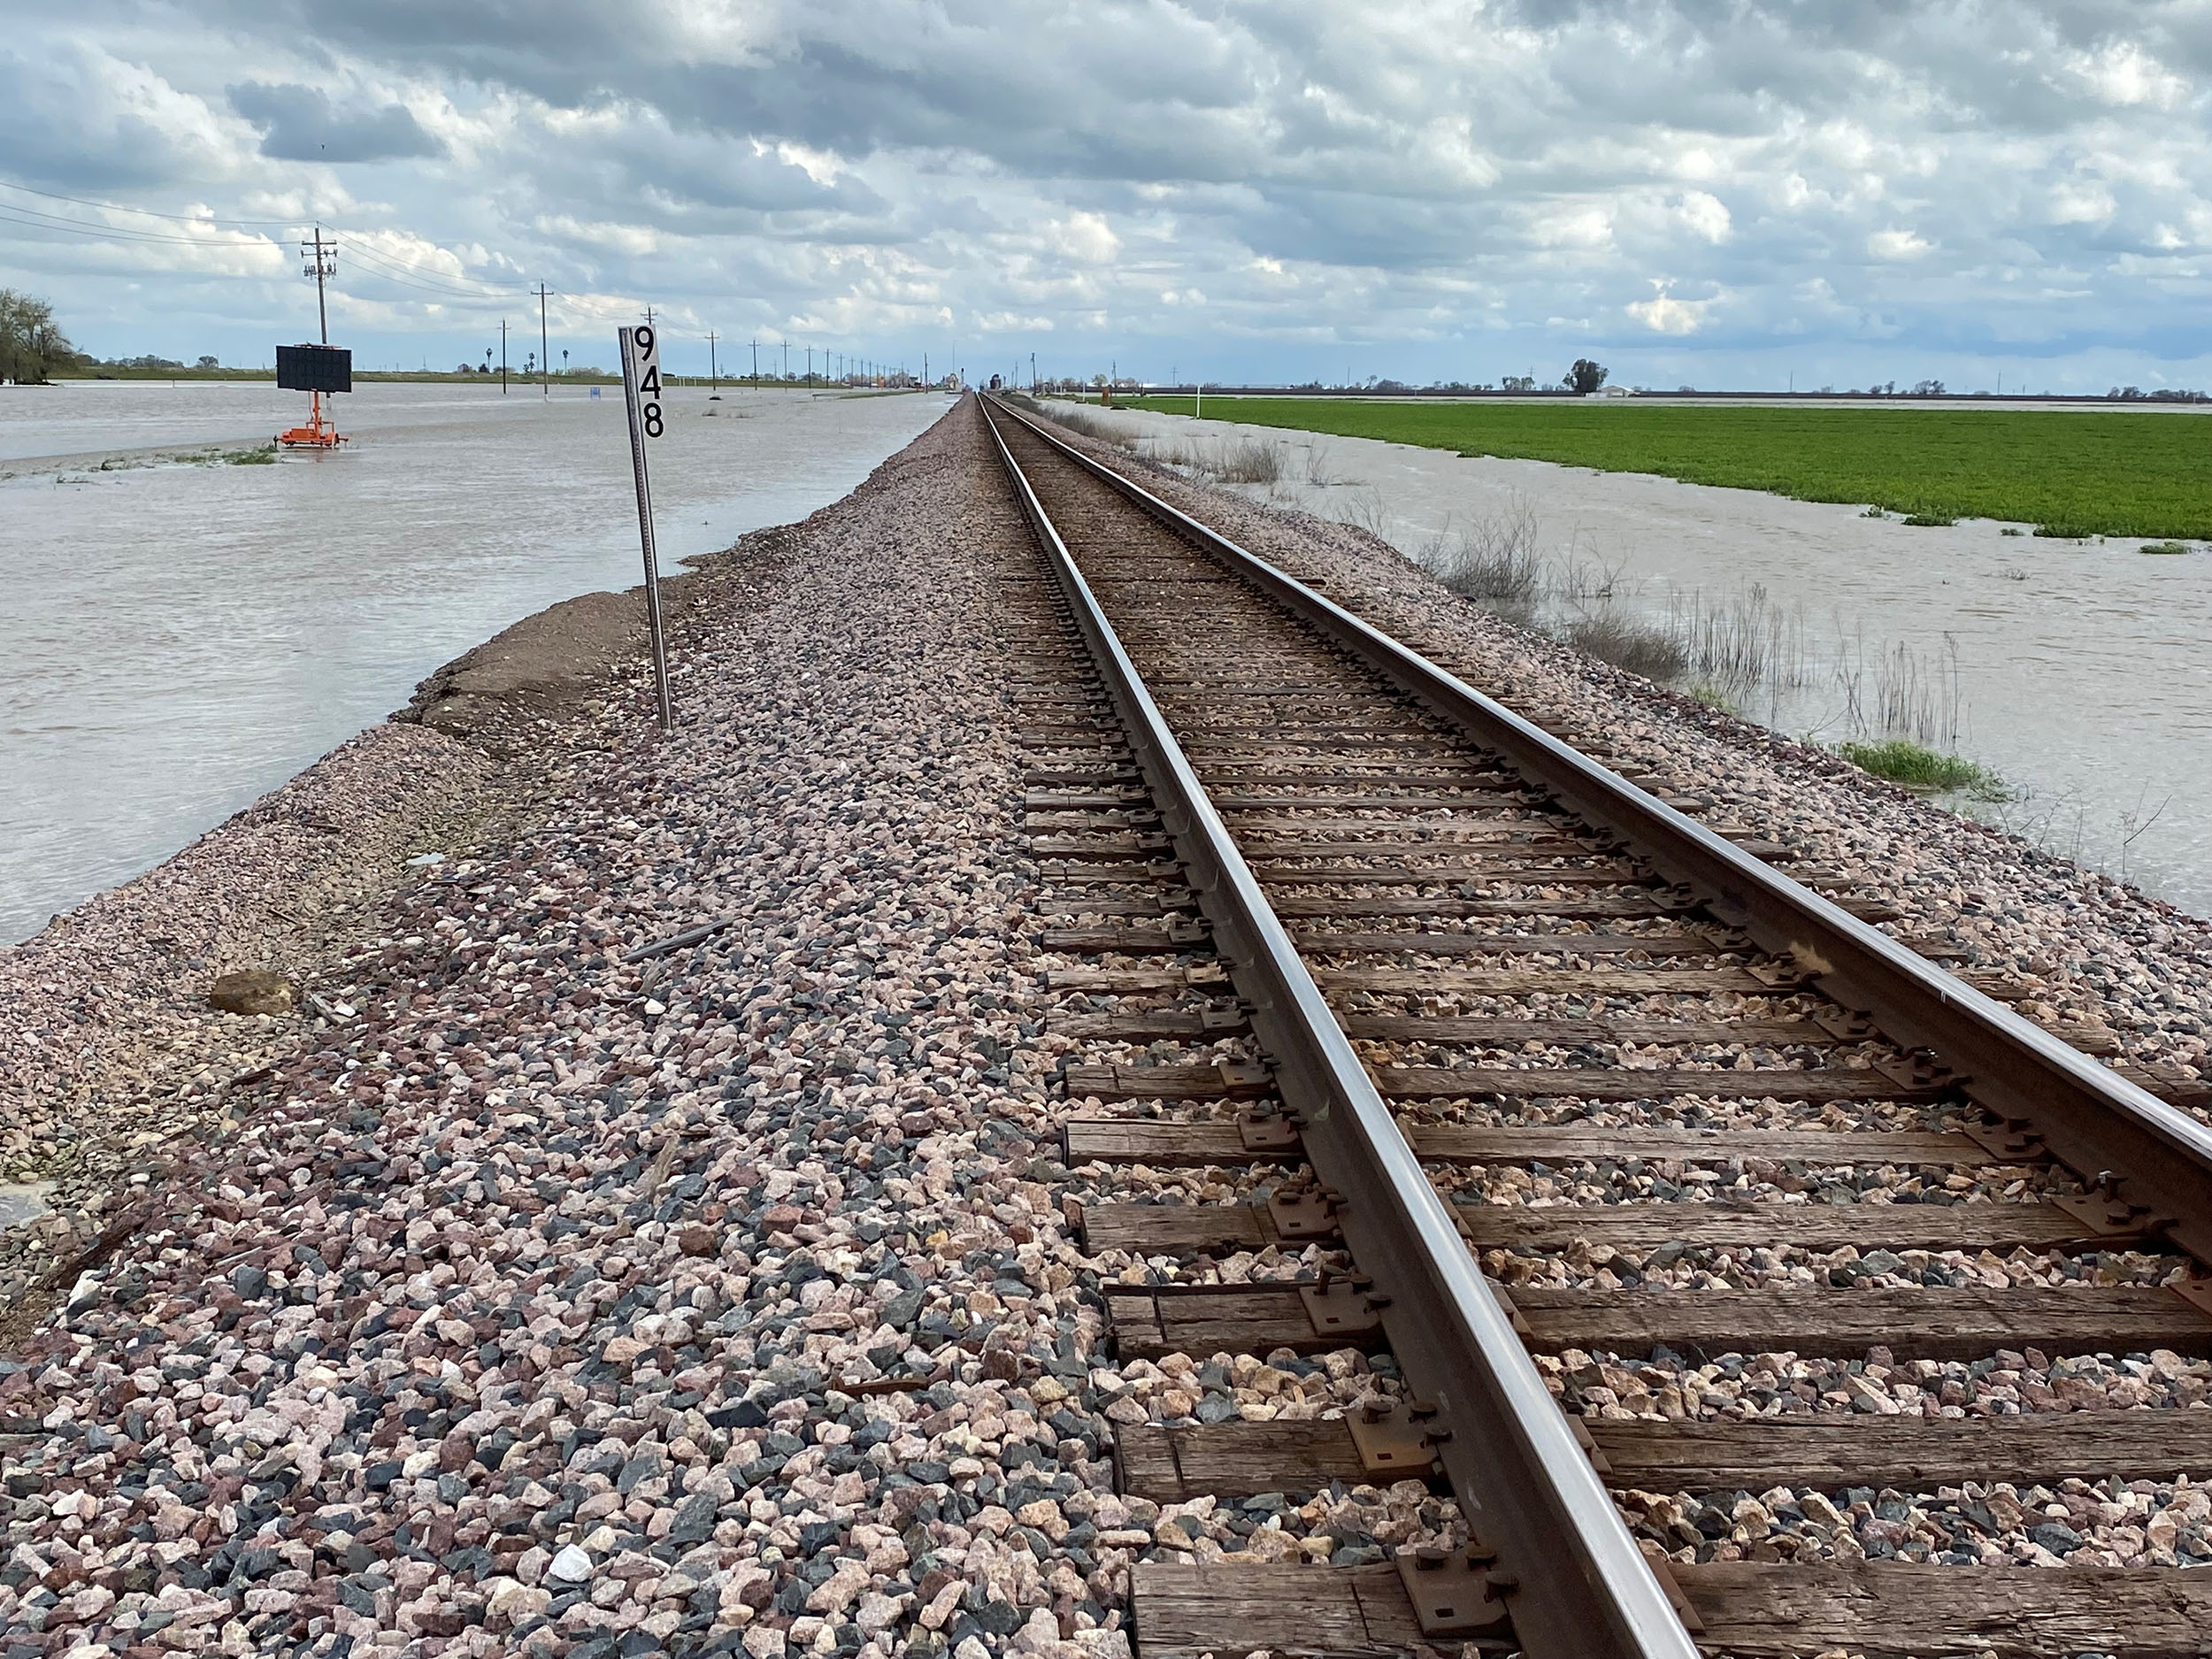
179,634
2079,672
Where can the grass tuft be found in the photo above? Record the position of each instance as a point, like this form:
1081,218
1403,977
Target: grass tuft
1930,520
2165,547
265,455
1248,461
1902,762
1712,696
1624,642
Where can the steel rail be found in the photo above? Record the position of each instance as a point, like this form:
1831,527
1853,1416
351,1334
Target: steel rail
1580,1587
2154,1160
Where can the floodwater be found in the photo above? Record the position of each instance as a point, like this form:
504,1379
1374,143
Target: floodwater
2080,673
177,637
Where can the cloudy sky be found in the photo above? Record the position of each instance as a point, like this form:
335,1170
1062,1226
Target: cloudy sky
1828,192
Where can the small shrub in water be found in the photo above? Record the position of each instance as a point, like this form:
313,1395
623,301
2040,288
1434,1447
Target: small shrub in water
2011,529
1906,763
1497,561
2167,548
265,455
1248,461
1626,643
1927,519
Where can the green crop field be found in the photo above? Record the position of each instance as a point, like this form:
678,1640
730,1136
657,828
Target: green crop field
2068,472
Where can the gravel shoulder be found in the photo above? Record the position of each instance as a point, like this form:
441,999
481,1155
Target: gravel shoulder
111,1053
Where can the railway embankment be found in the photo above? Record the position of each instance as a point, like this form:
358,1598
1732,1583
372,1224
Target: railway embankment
554,1299
662,1241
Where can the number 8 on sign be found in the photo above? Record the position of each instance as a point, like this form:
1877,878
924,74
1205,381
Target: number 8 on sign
642,391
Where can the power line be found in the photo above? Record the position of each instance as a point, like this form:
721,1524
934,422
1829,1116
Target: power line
484,291
9,210
118,207
37,218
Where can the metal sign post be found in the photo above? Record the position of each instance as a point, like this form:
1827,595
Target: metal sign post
642,390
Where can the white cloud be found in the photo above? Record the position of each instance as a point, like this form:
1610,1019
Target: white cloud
1085,238
1663,314
2080,201
2122,73
1426,185
1707,216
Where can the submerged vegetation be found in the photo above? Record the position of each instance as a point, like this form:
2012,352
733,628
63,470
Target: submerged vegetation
1625,642
1076,418
1903,762
1236,461
1740,651
2072,473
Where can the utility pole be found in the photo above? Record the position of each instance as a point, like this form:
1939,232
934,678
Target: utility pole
324,267
545,357
809,365
502,357
787,362
924,368
714,373
756,346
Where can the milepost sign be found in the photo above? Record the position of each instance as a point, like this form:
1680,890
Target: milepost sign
642,390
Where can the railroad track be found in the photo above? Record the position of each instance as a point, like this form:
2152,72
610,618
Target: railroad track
1556,1105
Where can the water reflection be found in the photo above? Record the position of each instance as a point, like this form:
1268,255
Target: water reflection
179,636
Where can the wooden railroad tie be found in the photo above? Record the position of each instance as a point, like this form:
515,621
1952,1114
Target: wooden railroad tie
1174,1463
1883,1609
1592,1083
1150,1322
1177,1230
1224,1142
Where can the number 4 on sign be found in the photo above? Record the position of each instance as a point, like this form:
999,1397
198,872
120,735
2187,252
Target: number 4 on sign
642,391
